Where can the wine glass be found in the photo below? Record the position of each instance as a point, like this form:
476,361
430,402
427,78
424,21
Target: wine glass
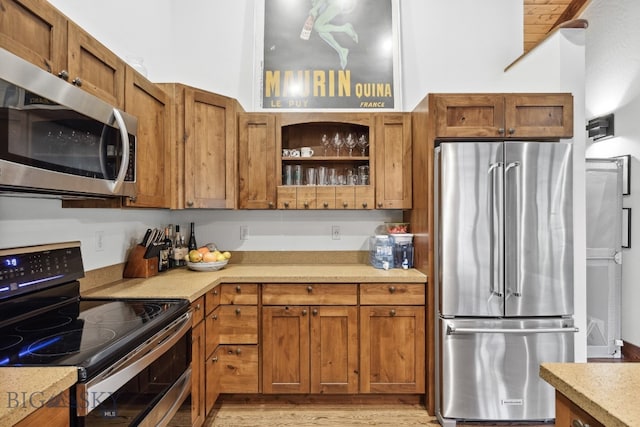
338,142
363,143
350,142
326,143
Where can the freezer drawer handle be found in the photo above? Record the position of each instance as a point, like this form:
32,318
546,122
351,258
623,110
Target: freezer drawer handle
452,330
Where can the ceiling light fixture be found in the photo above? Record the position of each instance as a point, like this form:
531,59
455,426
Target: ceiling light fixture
600,127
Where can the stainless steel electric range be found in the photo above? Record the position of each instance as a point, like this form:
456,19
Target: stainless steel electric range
133,355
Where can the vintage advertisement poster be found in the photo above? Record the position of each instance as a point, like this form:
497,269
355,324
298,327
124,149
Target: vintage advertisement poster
328,54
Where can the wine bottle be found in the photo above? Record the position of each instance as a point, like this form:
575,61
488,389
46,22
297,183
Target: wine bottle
192,238
179,249
163,259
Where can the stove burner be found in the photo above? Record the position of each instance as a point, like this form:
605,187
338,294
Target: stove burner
44,323
137,313
9,341
70,342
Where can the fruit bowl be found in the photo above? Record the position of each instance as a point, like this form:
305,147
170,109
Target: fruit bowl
207,266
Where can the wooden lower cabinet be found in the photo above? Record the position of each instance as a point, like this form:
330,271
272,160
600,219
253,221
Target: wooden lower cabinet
310,349
568,414
392,349
198,357
51,414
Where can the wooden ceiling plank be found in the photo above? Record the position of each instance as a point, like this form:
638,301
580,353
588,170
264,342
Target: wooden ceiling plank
572,11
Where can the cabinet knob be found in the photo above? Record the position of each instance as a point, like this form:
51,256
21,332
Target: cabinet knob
392,289
511,131
270,205
364,204
501,131
190,203
238,350
286,205
238,311
214,359
345,204
325,204
309,289
215,292
77,81
304,312
306,204
238,289
392,313
214,317
133,199
379,204
315,312
578,423
197,307
64,75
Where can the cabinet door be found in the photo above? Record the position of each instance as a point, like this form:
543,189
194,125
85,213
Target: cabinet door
235,324
198,388
570,414
210,150
54,413
212,378
285,354
539,115
94,68
334,349
35,31
470,116
392,348
257,161
151,106
393,161
237,368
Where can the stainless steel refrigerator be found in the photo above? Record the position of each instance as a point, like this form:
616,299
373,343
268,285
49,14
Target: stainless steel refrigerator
504,277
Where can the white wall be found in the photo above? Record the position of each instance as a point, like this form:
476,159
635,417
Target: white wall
612,85
209,44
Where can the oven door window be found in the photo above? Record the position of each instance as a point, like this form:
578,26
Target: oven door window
40,133
133,402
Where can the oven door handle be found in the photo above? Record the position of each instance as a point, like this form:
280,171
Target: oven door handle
103,386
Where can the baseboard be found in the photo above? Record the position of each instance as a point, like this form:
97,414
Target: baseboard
630,352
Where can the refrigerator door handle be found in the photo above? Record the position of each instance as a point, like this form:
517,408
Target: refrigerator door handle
452,330
495,286
518,284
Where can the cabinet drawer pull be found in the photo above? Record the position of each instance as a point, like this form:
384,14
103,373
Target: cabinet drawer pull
392,313
364,204
304,312
215,292
77,81
578,423
214,317
237,311
315,312
238,351
345,204
392,289
64,75
214,359
197,307
306,204
309,289
325,204
286,205
238,289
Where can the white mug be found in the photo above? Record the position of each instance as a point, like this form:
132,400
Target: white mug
306,152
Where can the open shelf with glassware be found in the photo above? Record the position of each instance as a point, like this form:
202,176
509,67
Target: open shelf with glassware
326,161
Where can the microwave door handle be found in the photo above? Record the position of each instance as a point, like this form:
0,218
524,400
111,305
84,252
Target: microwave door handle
115,187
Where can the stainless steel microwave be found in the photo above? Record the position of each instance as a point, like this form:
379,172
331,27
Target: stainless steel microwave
58,140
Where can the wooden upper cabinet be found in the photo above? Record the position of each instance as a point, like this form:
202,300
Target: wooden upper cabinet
393,153
35,31
94,68
257,161
151,105
513,116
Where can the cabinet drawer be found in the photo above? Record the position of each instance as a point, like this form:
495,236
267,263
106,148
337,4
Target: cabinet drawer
236,368
392,293
232,324
198,310
245,293
212,299
313,294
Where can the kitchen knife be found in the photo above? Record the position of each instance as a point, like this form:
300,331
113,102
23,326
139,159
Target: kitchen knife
145,239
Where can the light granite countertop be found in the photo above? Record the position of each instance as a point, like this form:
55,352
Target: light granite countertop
188,284
607,391
24,390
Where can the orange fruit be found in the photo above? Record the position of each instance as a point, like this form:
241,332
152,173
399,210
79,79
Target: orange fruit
203,250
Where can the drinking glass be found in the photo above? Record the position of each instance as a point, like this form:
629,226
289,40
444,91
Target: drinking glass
326,143
350,143
338,142
363,143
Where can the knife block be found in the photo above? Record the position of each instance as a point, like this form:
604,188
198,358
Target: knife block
139,266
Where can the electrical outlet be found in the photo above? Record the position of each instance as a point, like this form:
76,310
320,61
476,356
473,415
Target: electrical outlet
244,232
99,241
335,232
